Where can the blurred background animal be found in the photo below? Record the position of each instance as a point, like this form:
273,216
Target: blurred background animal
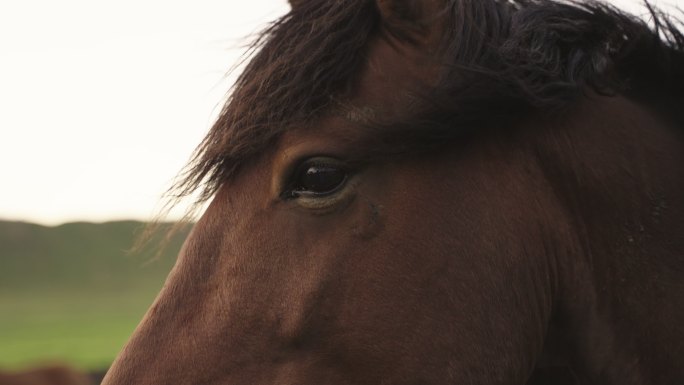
47,375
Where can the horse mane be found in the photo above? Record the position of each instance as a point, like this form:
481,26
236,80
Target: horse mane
505,60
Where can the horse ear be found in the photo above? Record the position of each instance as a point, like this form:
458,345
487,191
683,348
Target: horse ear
414,20
294,4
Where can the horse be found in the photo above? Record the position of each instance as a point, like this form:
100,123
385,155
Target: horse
435,192
45,375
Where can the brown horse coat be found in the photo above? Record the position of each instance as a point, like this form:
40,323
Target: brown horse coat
435,192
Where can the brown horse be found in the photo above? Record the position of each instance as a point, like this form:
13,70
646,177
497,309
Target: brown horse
45,375
435,192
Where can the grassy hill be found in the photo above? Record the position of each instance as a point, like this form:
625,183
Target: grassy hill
74,293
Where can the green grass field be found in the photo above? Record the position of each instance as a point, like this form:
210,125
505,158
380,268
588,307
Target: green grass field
71,293
85,329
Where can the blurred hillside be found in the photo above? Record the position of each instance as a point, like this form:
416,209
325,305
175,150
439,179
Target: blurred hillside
74,293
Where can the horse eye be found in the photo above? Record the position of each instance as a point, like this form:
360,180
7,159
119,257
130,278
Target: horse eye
318,177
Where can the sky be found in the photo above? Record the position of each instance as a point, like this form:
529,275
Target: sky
102,102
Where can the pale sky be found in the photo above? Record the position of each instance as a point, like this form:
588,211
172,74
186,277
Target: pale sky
102,102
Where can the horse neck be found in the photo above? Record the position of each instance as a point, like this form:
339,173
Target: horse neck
618,171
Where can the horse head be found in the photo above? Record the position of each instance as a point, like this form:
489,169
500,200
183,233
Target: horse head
435,192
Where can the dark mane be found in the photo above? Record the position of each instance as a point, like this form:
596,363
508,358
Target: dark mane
506,61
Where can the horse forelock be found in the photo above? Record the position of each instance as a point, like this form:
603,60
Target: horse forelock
295,67
504,60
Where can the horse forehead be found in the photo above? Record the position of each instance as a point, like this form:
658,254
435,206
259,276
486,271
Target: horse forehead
393,69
